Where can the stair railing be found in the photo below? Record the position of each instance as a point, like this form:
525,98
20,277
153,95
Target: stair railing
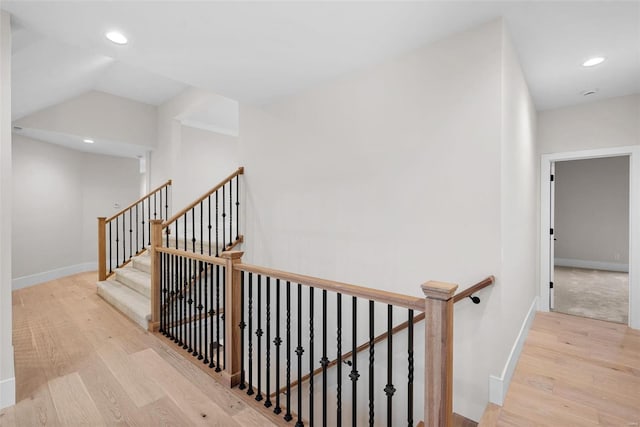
128,232
262,342
210,224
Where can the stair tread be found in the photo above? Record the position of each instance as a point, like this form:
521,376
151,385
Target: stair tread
137,280
131,303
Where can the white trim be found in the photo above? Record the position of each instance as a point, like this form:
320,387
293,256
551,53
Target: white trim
498,386
634,223
593,265
8,390
34,279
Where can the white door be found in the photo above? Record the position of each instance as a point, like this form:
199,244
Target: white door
552,237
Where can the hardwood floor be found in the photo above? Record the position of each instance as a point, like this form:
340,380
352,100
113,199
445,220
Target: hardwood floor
81,363
573,372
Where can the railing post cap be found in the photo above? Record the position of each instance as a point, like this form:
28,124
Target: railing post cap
156,221
241,170
439,290
103,218
232,254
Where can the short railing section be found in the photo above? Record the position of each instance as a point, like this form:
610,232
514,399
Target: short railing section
128,232
211,224
308,350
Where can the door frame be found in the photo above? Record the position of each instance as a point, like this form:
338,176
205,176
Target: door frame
633,152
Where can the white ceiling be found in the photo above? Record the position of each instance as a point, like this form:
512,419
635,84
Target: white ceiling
257,52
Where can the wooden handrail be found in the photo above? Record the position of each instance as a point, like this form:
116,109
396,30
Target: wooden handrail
400,300
149,194
171,220
475,288
192,255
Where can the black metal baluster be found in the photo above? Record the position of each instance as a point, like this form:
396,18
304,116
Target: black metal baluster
201,229
185,312
311,361
117,245
166,202
207,316
217,221
277,342
371,360
185,231
339,364
213,311
249,334
149,219
174,298
389,389
259,331
243,325
223,315
193,230
155,206
231,215
288,416
209,226
124,239
354,375
137,231
163,283
131,235
299,352
161,204
237,207
324,361
180,286
224,226
189,318
410,362
143,227
218,369
267,370
110,251
200,307
171,299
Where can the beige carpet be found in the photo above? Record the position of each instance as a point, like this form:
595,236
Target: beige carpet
596,294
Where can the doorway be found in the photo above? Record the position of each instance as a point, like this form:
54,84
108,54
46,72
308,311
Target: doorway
548,292
590,220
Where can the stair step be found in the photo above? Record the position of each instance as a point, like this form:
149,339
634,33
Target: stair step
132,304
142,263
139,281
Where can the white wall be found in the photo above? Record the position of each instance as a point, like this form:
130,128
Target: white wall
613,122
7,379
58,194
194,159
393,176
101,116
592,212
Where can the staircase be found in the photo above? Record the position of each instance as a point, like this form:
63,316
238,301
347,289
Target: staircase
129,289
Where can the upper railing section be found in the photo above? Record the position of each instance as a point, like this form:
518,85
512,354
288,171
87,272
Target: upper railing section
128,232
210,224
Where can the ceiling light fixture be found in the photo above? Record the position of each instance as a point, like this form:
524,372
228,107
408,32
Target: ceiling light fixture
116,37
593,61
88,141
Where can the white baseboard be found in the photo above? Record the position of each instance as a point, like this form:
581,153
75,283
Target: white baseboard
594,265
34,279
8,386
498,386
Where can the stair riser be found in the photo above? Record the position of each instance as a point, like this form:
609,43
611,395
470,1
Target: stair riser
142,288
128,312
141,265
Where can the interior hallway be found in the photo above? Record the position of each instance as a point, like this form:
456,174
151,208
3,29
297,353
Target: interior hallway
80,362
573,371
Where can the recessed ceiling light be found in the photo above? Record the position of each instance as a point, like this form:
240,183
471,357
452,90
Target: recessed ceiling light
589,92
116,37
88,141
593,61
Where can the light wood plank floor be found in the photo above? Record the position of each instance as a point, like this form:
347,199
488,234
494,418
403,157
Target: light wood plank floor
573,371
79,362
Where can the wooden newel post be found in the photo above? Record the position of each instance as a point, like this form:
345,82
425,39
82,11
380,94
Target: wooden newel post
233,306
438,383
156,241
102,249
